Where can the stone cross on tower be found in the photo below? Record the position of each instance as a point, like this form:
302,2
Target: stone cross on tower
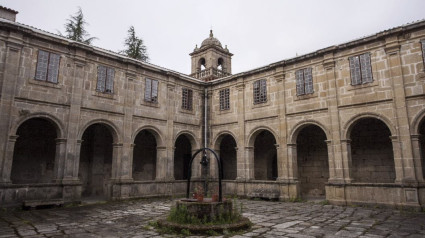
211,60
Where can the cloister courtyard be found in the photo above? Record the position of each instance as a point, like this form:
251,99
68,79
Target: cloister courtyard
133,218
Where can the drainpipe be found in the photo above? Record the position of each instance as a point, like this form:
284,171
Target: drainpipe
205,116
205,166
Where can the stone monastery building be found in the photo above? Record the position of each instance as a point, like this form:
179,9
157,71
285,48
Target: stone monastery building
345,123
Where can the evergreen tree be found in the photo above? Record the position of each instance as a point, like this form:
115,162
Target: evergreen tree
75,28
134,46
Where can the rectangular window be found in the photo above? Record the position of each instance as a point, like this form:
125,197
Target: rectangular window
187,95
360,69
304,79
47,66
225,99
105,79
260,91
151,90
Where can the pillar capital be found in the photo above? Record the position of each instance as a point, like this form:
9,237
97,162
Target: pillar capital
13,138
415,137
60,140
116,145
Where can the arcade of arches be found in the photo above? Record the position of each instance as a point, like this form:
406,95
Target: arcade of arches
372,157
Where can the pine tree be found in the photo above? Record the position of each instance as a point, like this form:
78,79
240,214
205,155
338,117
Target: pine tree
134,46
75,28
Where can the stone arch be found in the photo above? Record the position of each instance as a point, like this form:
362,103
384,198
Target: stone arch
254,132
346,131
220,64
418,142
263,141
116,135
36,151
191,136
155,132
301,125
219,137
371,149
228,154
202,64
312,161
146,143
98,158
54,120
184,145
416,122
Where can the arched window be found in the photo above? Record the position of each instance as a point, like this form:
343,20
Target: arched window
220,64
201,64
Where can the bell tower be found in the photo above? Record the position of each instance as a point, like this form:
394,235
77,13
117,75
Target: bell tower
211,61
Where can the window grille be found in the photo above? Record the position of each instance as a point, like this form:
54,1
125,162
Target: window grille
225,99
47,67
260,91
360,69
304,79
187,98
105,79
151,90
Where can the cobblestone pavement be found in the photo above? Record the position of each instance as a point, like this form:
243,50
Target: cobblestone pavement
271,219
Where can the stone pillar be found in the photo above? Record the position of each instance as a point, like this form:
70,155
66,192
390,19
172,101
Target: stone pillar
161,163
401,118
417,156
196,166
59,159
7,169
169,138
241,155
73,143
331,159
126,164
116,161
249,159
10,76
398,159
214,164
281,148
335,157
171,165
346,157
130,165
74,164
292,162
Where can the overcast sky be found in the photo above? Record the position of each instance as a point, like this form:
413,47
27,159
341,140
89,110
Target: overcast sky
256,32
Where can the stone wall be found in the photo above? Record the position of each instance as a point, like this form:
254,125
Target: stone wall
348,163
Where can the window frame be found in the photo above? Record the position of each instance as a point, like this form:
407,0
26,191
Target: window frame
358,73
224,95
260,91
304,81
48,69
187,99
104,85
149,91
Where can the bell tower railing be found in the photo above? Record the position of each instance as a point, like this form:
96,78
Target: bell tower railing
210,74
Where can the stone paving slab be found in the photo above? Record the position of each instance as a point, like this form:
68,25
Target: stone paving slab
271,219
